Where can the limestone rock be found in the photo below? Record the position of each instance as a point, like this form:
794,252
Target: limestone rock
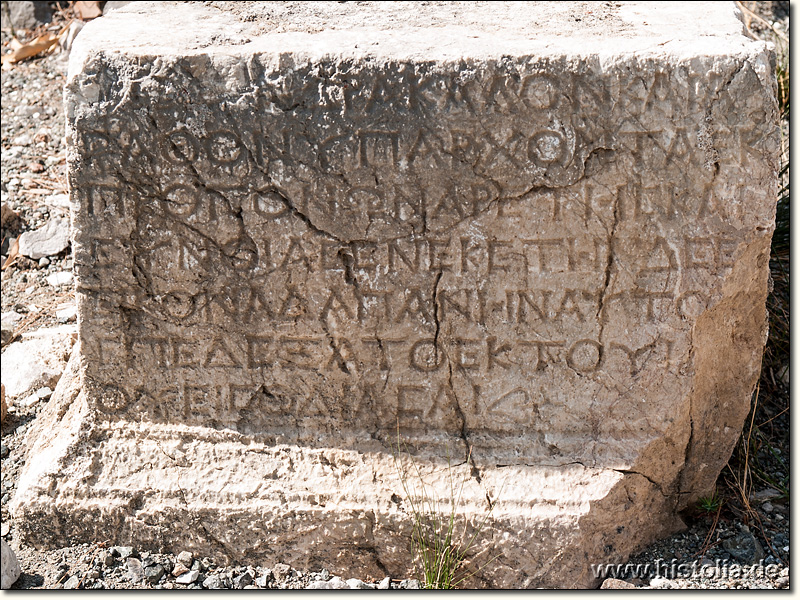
36,360
49,240
27,15
59,278
334,583
304,237
616,584
10,570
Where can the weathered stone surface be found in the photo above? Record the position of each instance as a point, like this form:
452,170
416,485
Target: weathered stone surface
49,240
10,570
616,584
26,15
300,233
37,360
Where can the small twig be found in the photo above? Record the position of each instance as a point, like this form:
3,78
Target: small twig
773,418
707,545
49,184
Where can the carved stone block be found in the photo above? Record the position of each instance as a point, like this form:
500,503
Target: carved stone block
529,241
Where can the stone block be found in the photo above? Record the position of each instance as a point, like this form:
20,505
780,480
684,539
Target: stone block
527,243
26,15
36,360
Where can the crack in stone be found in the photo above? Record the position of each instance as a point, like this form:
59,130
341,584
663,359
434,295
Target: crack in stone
436,310
348,260
372,548
601,305
654,483
687,451
337,354
388,361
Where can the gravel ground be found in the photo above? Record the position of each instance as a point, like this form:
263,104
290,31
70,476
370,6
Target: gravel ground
729,546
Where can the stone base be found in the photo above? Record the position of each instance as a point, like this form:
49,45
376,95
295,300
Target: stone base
335,222
242,499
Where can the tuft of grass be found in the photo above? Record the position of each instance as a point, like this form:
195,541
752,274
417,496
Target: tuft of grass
710,504
442,547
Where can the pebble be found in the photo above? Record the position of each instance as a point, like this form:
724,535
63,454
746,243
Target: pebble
185,558
5,528
49,240
660,583
242,580
68,314
135,571
281,571
24,110
154,573
123,552
60,278
44,261
188,577
357,584
9,566
334,583
212,583
72,583
3,450
23,140
616,584
180,569
385,583
264,580
767,494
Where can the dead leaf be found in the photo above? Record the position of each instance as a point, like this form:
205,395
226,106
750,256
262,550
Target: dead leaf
22,51
87,10
12,254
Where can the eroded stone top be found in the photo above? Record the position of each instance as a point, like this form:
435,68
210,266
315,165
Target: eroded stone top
434,30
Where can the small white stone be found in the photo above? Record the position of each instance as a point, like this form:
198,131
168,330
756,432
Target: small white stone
58,200
187,578
29,401
23,140
60,278
660,583
67,314
10,317
334,583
